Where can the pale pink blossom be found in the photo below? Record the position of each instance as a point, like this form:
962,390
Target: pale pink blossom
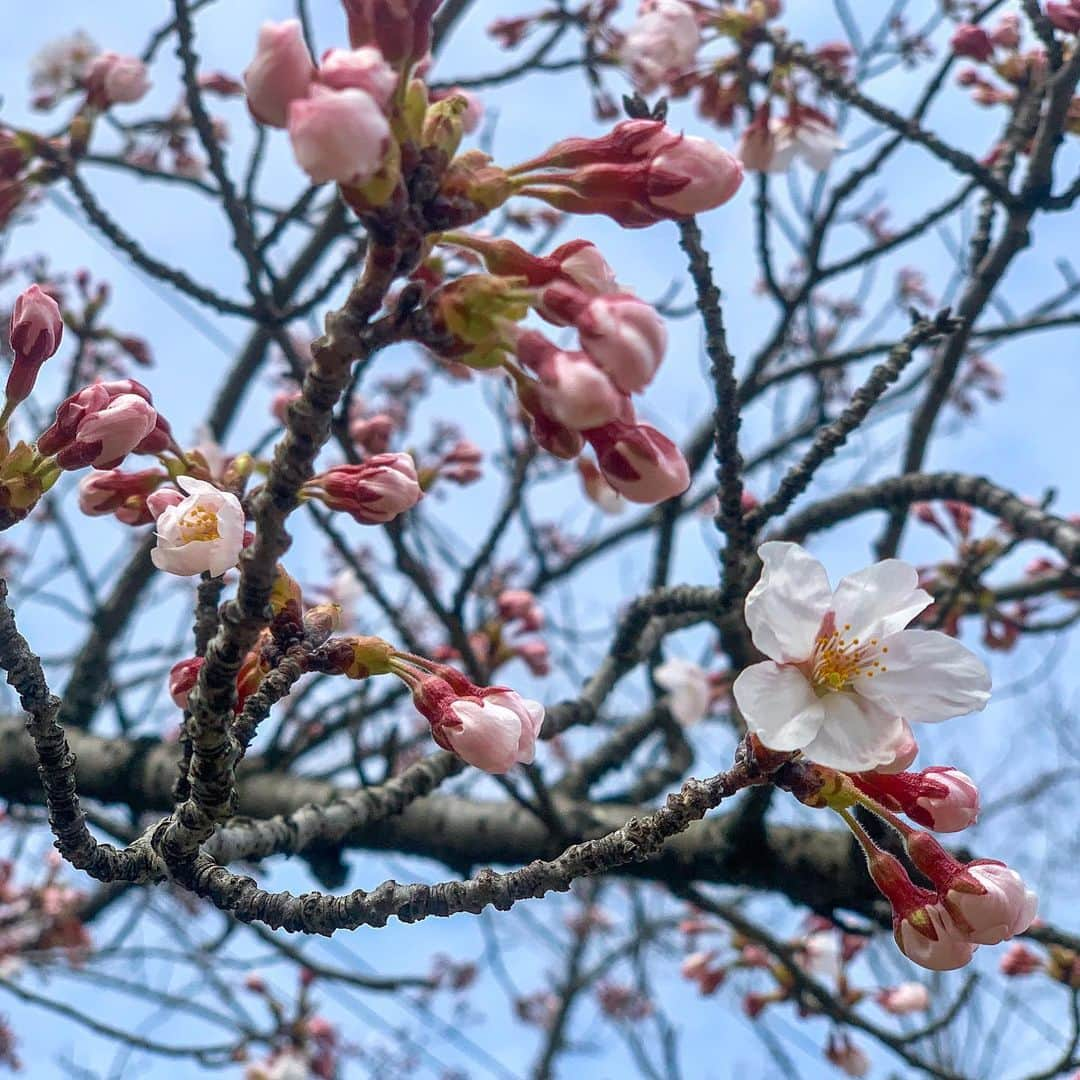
338,135
113,79
662,44
688,690
639,462
822,955
281,72
581,262
359,69
202,532
116,429
902,1000
843,673
930,938
807,134
374,492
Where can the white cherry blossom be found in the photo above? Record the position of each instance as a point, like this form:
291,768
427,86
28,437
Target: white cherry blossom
843,675
204,531
688,689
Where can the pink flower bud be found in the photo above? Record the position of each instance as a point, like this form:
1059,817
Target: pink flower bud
639,462
372,493
638,174
182,678
576,392
991,902
626,337
372,433
492,727
281,72
520,605
952,808
1064,16
123,494
580,262
536,655
106,437
556,438
461,463
400,28
597,490
202,532
661,45
847,1056
113,79
1007,31
1020,960
972,42
929,937
360,69
34,335
338,135
902,1000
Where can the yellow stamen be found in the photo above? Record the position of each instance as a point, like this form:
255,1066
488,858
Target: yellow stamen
199,524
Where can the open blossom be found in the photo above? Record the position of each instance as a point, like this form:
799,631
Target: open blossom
909,997
281,72
804,133
843,673
338,135
662,43
202,532
689,692
373,492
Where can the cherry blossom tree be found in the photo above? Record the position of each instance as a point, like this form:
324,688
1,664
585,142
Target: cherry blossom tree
428,576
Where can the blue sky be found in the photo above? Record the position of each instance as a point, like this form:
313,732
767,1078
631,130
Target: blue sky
1024,444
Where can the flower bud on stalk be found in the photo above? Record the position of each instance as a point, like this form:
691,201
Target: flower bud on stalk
639,462
281,72
638,174
111,491
34,335
101,424
373,492
940,798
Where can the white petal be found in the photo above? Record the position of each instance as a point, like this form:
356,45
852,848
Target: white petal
930,677
779,705
785,608
855,736
190,485
689,690
880,600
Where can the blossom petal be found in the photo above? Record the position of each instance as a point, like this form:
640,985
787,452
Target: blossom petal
688,689
930,676
191,485
880,600
856,735
785,608
779,705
